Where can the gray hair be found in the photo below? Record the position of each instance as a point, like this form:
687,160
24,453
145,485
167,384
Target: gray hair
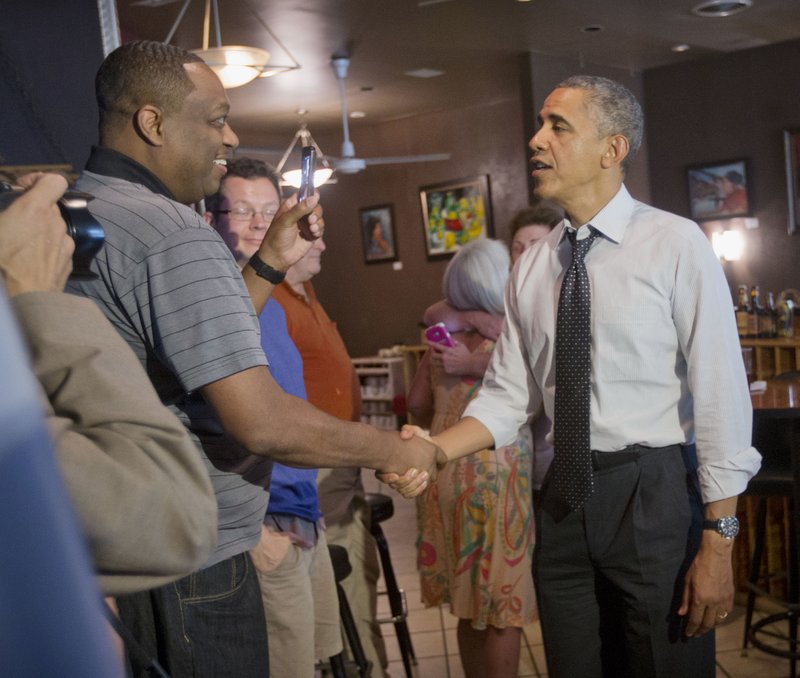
476,276
614,107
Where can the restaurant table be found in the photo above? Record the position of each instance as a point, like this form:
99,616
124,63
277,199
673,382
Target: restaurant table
776,423
779,405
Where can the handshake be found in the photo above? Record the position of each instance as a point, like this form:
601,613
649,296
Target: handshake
415,480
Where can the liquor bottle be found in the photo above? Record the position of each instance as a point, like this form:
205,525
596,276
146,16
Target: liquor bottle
786,319
796,320
742,313
772,306
752,314
768,327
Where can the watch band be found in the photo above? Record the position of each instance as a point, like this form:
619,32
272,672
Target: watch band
264,270
727,526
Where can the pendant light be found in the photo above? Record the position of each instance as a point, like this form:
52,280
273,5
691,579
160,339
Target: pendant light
235,65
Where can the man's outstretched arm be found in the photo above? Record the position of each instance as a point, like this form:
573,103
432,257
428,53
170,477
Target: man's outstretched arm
256,412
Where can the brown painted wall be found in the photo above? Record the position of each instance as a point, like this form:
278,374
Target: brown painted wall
374,305
734,106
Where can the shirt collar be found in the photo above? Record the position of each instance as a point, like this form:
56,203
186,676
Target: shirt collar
311,295
111,163
611,221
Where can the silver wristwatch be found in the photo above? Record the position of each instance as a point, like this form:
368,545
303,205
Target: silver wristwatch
727,526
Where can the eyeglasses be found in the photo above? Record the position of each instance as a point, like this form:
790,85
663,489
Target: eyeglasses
247,213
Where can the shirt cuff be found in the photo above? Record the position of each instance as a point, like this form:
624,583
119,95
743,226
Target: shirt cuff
728,477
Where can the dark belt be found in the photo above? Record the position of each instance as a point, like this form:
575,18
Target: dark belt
606,460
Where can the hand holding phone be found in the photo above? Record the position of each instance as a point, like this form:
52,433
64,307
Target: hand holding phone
307,167
438,334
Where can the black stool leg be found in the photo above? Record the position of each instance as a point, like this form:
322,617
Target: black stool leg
755,569
395,601
794,590
337,665
350,630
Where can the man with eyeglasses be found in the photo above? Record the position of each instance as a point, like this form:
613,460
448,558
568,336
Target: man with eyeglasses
243,208
292,560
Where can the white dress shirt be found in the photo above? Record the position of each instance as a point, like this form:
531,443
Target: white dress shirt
666,361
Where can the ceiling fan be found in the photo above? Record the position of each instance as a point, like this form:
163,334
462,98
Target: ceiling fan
348,163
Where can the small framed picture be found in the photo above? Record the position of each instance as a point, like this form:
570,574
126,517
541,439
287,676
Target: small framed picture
455,213
378,234
791,146
719,190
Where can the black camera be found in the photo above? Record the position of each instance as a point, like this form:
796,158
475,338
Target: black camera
82,227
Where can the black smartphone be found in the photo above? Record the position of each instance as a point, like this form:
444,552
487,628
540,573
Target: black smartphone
307,166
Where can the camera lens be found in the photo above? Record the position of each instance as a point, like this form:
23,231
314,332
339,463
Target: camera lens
82,227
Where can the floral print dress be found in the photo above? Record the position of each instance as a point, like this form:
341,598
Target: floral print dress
475,522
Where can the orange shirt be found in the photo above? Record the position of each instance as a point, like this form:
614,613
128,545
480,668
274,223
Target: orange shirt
327,370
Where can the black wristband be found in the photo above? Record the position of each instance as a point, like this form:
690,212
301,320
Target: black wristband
266,271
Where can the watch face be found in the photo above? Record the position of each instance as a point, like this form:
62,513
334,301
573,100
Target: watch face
728,526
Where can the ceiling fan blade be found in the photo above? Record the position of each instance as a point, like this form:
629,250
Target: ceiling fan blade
348,165
392,159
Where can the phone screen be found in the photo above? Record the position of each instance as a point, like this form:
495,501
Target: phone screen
307,167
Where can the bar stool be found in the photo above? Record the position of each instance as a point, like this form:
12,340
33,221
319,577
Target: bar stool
341,569
775,479
382,508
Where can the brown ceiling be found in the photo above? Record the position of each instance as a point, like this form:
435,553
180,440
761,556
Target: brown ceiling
471,40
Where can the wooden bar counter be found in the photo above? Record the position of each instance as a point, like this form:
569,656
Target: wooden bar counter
773,356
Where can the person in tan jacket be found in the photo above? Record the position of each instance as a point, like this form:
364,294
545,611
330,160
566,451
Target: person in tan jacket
140,490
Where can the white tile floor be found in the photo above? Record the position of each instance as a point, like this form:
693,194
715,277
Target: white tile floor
433,630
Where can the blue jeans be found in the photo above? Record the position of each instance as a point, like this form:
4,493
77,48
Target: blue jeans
209,624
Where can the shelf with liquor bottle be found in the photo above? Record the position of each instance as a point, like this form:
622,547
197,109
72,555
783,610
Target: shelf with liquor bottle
382,391
771,331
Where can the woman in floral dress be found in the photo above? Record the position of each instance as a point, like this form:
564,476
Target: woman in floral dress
475,521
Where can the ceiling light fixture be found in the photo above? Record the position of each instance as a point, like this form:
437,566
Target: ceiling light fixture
425,73
681,48
235,65
324,171
721,8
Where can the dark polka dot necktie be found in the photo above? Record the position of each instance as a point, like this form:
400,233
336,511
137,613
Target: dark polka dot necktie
572,462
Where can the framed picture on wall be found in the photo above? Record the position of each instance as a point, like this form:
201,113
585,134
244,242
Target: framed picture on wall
455,213
791,146
719,190
378,233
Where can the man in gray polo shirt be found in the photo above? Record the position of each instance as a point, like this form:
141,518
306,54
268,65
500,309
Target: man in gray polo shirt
172,289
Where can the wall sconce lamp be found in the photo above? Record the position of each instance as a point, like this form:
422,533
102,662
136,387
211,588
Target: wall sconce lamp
235,65
728,245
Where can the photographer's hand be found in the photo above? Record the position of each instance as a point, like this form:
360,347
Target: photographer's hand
285,243
35,250
292,232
